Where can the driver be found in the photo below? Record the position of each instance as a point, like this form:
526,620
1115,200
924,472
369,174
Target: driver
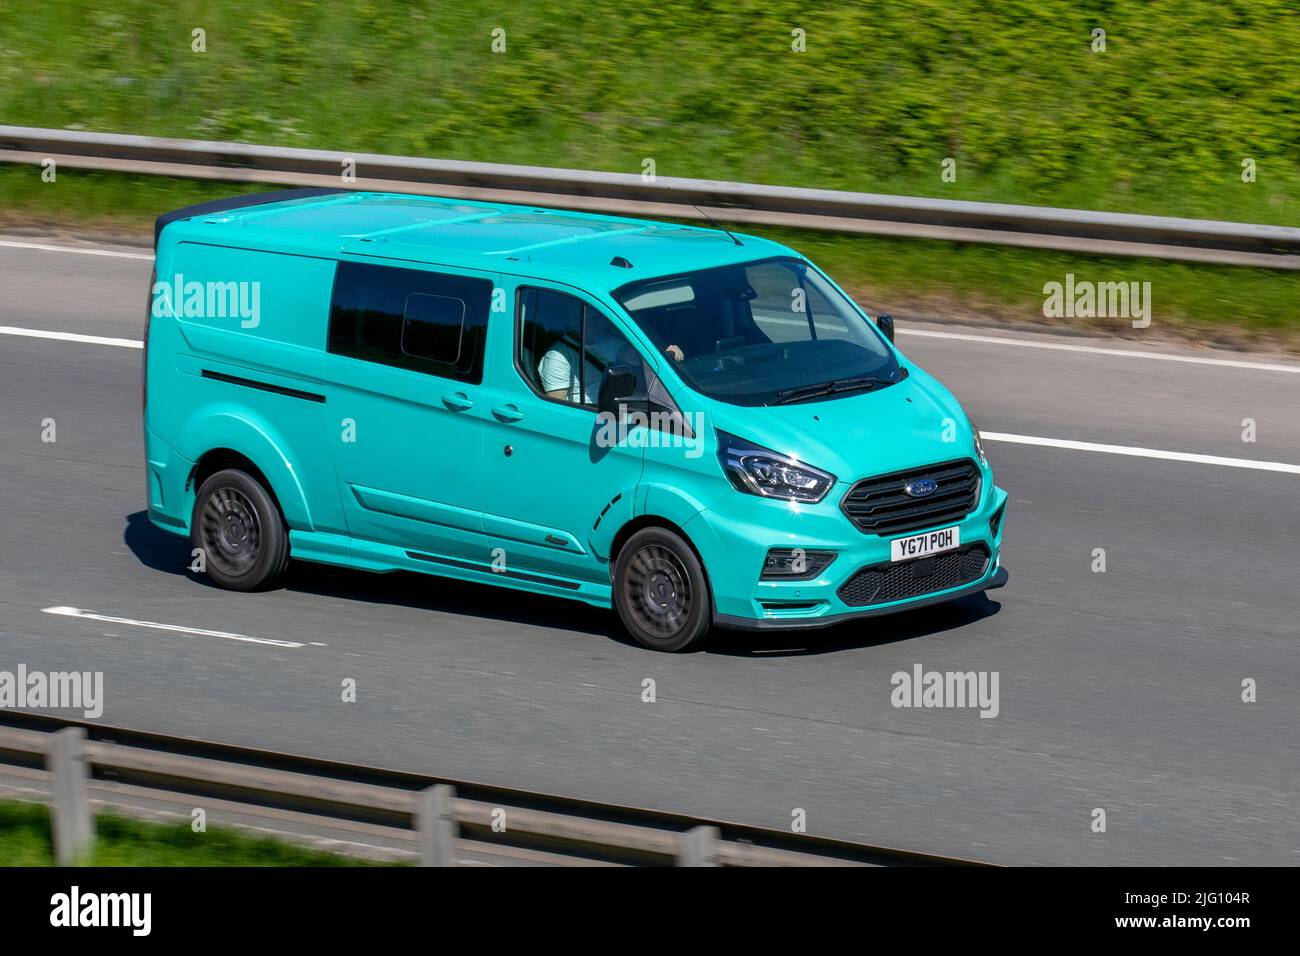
558,369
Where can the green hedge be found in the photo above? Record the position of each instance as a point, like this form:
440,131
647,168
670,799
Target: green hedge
1159,122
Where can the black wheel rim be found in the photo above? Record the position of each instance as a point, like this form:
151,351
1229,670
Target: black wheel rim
231,531
658,590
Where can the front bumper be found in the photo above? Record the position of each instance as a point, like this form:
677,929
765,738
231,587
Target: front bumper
733,547
998,578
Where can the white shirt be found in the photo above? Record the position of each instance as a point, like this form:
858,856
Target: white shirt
559,370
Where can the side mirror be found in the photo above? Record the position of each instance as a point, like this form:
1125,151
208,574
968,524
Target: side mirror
885,323
617,387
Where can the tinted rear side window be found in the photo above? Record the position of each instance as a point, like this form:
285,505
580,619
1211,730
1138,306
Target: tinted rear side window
433,327
428,322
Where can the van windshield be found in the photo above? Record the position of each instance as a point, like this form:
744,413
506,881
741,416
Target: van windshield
761,333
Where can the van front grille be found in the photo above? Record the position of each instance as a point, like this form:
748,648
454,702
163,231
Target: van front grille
882,506
899,580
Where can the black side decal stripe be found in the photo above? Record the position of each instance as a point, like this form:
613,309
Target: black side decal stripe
605,510
264,386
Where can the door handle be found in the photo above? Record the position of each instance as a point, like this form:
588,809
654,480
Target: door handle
457,401
507,413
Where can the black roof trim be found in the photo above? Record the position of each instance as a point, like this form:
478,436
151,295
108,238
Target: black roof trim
239,202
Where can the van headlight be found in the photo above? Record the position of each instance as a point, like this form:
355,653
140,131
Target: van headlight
979,444
756,470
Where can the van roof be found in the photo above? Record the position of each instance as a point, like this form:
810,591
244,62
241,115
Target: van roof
542,243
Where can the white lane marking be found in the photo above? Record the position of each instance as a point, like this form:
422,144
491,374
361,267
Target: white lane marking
44,247
1098,350
956,336
1143,452
989,339
991,436
197,631
72,337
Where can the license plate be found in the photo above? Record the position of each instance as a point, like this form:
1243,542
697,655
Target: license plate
921,545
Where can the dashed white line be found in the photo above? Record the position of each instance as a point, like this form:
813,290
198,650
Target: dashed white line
72,337
1098,350
1143,452
925,333
82,250
991,436
180,629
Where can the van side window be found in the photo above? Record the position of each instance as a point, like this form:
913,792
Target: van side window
433,327
554,330
428,322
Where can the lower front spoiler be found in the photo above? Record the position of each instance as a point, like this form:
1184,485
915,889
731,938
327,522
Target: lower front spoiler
999,579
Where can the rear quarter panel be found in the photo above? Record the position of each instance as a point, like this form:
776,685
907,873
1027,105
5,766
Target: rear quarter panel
279,343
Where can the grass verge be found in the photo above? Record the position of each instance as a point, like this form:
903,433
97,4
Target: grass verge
25,840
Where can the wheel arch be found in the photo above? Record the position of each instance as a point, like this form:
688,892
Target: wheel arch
633,525
636,524
228,439
219,459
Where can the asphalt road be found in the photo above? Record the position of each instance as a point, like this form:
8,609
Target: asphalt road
1118,690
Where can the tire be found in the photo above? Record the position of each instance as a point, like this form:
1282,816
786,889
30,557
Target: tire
661,592
238,526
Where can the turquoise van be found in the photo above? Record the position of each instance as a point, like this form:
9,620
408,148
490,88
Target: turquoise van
693,427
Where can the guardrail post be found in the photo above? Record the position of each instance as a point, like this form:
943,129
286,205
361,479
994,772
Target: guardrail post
698,847
73,826
435,818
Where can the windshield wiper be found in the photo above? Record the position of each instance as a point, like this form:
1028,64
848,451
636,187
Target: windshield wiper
834,386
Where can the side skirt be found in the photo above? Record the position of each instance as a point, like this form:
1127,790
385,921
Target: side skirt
343,551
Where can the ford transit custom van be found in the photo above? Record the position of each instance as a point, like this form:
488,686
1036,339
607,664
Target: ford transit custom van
690,427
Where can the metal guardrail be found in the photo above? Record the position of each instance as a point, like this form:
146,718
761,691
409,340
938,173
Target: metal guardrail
441,820
1075,230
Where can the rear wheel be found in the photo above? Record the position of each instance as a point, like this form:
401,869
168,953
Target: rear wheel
660,591
237,525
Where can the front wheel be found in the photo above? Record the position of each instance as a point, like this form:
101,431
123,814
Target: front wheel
238,527
660,591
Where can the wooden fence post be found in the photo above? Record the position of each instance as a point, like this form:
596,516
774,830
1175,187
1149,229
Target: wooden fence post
74,827
698,847
435,818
